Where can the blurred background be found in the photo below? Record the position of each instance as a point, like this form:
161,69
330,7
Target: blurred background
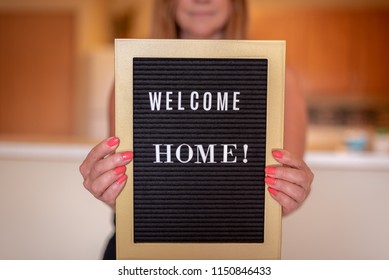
56,70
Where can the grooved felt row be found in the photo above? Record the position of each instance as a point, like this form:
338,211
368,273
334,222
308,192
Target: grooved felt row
199,128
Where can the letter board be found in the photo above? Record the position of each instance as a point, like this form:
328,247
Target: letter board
197,123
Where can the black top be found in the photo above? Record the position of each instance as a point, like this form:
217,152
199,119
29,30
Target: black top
110,250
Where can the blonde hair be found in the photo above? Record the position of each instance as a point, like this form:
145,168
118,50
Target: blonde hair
164,24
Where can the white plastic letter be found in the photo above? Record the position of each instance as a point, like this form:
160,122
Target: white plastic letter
228,151
167,153
235,101
155,100
190,153
210,152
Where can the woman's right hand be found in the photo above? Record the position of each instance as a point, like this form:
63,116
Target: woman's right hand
104,170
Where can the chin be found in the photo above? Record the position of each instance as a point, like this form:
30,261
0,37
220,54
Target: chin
206,35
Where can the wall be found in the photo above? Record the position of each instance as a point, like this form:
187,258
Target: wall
345,216
45,213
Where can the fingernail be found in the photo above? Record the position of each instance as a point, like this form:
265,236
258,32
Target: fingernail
278,154
113,141
270,181
270,170
120,170
122,179
127,155
272,191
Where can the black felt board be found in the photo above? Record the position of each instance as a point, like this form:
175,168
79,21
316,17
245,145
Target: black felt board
215,201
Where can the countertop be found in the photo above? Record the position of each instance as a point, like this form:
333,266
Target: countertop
70,150
347,160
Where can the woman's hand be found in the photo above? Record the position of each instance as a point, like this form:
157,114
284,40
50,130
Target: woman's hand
104,170
289,184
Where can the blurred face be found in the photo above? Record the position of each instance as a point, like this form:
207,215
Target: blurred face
202,19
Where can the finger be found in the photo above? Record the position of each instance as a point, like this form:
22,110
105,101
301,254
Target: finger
98,152
286,173
302,176
113,191
294,191
287,203
287,158
100,185
109,163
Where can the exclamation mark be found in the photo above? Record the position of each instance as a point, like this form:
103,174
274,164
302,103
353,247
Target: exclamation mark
245,148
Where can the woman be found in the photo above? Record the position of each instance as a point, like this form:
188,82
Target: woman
103,170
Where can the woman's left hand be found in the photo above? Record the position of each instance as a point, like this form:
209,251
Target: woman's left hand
289,184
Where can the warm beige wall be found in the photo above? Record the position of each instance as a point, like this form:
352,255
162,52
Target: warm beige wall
345,216
46,213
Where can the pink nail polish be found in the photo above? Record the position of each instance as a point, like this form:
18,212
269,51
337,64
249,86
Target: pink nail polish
270,170
270,181
127,155
113,141
122,179
120,170
272,191
278,154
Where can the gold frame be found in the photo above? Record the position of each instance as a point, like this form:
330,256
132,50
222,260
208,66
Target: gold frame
125,50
